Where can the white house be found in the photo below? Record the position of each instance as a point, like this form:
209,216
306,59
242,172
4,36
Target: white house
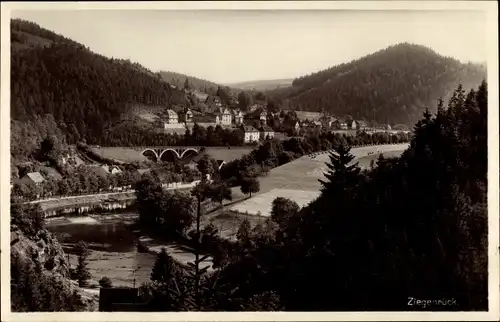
171,117
297,126
226,117
251,134
263,117
351,124
339,125
238,118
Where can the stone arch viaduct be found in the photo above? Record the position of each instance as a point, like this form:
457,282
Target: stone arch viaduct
169,152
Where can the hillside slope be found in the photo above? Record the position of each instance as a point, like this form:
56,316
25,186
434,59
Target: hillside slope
262,85
195,83
84,92
393,85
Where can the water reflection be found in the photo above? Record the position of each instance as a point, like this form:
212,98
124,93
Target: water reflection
111,241
104,233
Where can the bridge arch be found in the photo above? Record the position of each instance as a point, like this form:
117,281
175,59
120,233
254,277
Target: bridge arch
185,152
169,151
148,153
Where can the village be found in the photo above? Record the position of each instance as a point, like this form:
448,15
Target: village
259,122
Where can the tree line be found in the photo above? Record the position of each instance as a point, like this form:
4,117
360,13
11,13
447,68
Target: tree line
273,153
71,83
86,179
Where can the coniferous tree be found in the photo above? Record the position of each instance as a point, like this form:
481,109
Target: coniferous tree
82,271
340,169
164,268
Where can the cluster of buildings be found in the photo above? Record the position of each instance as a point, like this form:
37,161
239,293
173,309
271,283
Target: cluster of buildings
37,178
224,117
331,123
253,123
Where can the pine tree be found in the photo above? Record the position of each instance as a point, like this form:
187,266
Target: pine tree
164,268
340,170
82,271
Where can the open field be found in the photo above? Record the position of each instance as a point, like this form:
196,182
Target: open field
260,205
119,153
228,222
298,180
360,155
223,153
364,162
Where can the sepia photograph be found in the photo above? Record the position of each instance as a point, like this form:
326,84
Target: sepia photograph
245,157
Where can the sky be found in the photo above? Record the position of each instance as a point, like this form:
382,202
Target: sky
228,46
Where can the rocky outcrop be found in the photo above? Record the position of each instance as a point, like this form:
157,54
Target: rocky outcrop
44,252
42,248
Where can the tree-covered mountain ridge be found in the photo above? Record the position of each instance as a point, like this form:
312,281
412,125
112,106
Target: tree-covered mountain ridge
80,92
393,85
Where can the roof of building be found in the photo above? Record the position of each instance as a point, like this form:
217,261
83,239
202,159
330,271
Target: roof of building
266,128
36,177
115,169
249,129
192,165
207,118
171,113
143,171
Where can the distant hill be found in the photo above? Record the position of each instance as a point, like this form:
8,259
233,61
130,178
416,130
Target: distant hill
262,85
392,86
60,87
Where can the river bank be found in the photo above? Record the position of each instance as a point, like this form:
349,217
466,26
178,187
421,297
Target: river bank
112,243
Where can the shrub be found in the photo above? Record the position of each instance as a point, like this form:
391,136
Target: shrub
105,282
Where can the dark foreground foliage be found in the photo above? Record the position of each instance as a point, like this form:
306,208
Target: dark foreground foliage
412,227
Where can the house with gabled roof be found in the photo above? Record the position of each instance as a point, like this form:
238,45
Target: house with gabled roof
171,117
238,117
263,117
225,116
351,124
207,120
32,178
339,125
251,134
266,132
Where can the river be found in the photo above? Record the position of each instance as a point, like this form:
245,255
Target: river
113,246
111,242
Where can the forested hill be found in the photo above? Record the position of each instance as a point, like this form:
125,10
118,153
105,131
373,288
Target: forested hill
83,91
392,86
195,83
